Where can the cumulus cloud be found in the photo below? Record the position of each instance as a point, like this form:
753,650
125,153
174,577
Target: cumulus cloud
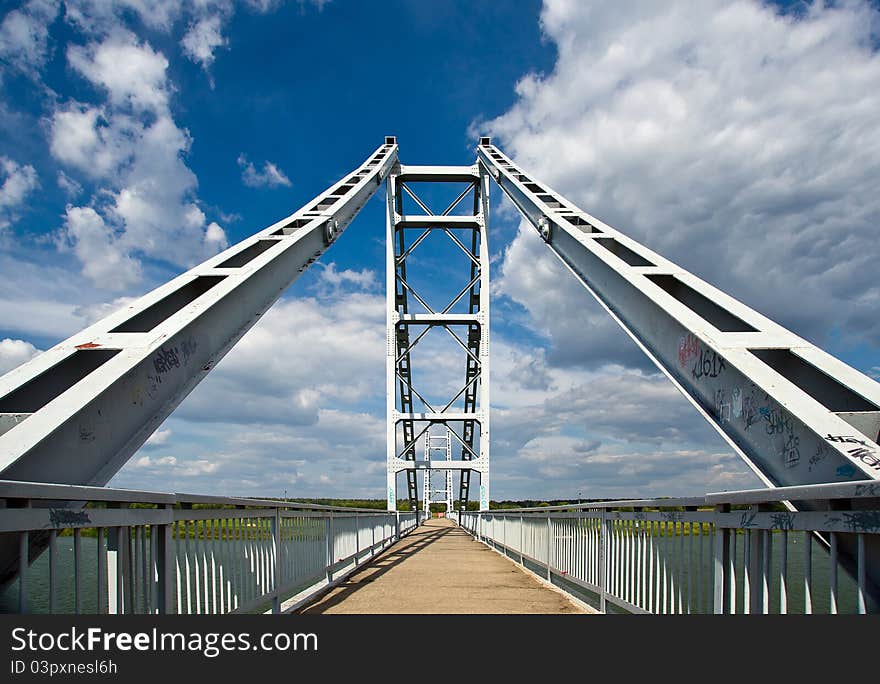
737,141
364,279
270,177
13,353
24,35
733,139
18,181
202,39
97,246
159,438
99,16
130,72
132,144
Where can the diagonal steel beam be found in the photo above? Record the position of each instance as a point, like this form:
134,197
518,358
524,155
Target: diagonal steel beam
793,412
76,413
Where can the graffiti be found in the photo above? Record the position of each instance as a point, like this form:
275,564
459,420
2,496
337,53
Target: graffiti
820,455
153,382
749,411
688,348
868,489
736,399
846,439
782,521
86,435
166,359
722,406
776,421
862,521
189,348
60,517
747,520
791,454
847,470
866,456
709,364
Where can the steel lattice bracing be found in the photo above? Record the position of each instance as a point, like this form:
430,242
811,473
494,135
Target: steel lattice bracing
410,317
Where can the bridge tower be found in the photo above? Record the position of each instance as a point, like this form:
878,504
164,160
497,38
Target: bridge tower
438,483
411,318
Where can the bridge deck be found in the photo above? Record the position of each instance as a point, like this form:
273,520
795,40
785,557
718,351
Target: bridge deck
440,568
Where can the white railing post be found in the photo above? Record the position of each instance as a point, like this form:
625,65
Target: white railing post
276,542
165,567
357,539
328,528
549,535
721,601
603,560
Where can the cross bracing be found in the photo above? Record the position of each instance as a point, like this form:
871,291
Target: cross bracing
798,416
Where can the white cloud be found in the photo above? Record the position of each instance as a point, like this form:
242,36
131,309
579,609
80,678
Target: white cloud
18,182
100,16
734,140
24,35
305,354
105,261
13,353
132,144
364,279
202,39
131,72
271,176
70,187
159,438
737,142
84,138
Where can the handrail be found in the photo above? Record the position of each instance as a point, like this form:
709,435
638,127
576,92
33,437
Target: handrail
816,492
14,489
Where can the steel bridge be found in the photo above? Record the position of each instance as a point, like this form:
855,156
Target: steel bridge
805,422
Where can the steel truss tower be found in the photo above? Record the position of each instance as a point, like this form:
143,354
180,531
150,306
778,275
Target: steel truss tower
440,444
411,318
798,416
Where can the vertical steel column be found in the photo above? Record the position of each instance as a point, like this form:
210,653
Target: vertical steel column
603,559
410,416
164,567
722,602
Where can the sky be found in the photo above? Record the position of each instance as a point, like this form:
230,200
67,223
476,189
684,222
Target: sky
738,139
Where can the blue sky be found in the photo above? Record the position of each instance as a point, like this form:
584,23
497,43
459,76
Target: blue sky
139,137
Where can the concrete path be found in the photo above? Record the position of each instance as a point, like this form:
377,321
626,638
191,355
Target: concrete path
440,568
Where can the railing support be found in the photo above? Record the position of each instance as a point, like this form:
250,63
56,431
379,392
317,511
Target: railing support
721,601
164,567
328,529
548,546
603,561
276,542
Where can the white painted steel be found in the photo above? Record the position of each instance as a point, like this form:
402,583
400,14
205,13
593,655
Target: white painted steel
406,425
795,414
650,556
92,400
211,560
740,369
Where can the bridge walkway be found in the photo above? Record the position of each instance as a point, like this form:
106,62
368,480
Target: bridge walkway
440,568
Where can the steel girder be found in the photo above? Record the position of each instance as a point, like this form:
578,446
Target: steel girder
793,412
406,425
76,413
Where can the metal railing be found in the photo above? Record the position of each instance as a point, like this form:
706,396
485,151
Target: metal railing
702,555
124,551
